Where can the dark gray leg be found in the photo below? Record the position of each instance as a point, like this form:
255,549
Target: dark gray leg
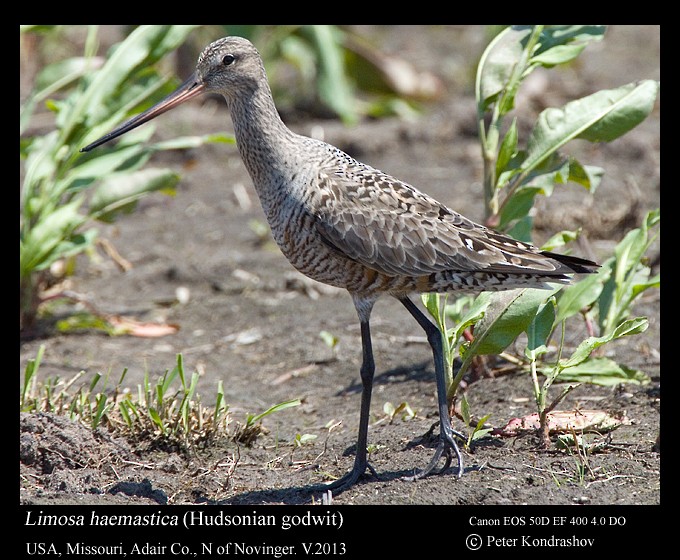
446,440
367,372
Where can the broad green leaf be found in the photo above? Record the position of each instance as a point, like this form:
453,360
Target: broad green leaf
509,315
563,43
40,164
508,148
629,251
129,155
518,205
298,52
431,303
473,314
465,409
497,64
579,295
136,136
630,326
602,371
119,191
588,176
652,218
628,276
479,431
37,249
132,98
617,298
167,41
606,302
560,239
532,354
583,351
75,244
542,180
600,117
458,308
630,105
540,328
558,55
105,163
653,282
145,46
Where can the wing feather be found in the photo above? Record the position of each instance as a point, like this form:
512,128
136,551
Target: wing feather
393,228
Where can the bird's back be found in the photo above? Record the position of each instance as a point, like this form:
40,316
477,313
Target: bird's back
350,225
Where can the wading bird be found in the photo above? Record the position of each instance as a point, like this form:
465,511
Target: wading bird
344,223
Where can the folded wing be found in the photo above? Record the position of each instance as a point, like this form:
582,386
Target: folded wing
391,227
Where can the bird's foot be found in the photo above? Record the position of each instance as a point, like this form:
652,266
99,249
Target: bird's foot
447,446
352,477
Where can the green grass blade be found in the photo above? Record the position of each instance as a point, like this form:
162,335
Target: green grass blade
30,372
276,408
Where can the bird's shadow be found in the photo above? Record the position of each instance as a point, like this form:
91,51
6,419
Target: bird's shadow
315,493
319,494
416,372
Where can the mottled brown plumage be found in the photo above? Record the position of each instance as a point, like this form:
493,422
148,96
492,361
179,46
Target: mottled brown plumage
347,224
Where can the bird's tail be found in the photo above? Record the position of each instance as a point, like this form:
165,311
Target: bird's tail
575,264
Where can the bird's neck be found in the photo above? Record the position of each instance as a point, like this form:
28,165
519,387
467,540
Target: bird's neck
266,144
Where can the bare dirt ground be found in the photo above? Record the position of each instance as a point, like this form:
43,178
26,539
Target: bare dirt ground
254,323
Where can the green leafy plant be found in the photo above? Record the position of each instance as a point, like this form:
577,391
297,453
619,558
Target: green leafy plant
478,430
628,274
65,191
611,293
303,439
403,411
513,177
160,412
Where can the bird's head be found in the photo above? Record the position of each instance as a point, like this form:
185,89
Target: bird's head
230,66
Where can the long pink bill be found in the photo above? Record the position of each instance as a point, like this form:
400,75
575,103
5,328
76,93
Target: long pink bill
188,90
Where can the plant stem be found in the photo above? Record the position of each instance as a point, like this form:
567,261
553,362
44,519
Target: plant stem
490,137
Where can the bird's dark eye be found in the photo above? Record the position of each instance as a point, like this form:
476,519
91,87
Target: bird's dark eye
228,59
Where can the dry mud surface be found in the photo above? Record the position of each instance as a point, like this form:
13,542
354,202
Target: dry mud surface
253,322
